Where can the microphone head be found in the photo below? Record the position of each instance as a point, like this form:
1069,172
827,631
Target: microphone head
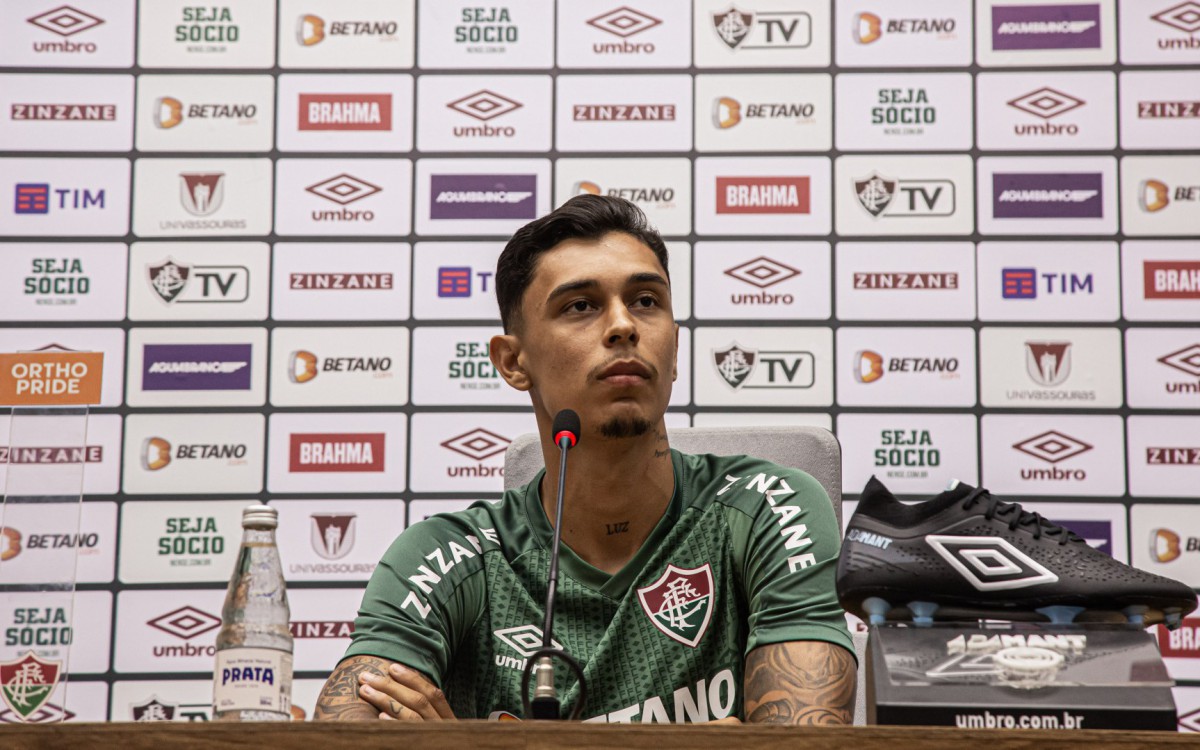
566,424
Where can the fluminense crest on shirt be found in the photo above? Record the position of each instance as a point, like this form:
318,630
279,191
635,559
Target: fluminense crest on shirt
680,602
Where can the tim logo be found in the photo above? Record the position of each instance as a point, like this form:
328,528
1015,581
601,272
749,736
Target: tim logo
454,281
201,193
1048,362
1019,283
333,534
990,563
680,602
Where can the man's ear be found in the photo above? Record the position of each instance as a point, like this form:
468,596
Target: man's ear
505,353
675,359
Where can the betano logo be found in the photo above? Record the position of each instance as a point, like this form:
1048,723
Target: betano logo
868,366
10,543
302,366
1166,546
360,112
728,112
1153,195
664,197
312,29
168,112
156,453
869,28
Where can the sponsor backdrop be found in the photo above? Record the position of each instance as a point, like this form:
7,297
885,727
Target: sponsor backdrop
960,233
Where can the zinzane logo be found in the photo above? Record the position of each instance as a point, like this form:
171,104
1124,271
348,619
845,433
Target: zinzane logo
990,563
680,603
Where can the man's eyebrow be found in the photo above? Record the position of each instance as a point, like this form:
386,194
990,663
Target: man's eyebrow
572,286
648,278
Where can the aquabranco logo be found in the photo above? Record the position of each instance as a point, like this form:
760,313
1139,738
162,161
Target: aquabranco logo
680,602
196,367
1045,27
1043,195
483,196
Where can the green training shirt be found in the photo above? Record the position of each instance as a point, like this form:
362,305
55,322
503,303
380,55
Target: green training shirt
744,556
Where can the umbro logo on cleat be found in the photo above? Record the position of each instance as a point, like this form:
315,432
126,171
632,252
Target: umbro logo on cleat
990,563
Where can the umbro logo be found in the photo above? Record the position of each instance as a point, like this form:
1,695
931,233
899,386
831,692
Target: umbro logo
343,189
624,22
1186,360
477,444
762,272
484,105
524,639
1046,103
990,563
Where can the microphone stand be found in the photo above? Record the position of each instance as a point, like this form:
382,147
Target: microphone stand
545,703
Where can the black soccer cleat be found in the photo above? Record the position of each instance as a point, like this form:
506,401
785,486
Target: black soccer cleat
965,555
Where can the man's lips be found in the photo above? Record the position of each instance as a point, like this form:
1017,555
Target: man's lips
625,372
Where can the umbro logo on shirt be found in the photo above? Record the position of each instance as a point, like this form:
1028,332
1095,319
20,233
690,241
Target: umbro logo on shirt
525,640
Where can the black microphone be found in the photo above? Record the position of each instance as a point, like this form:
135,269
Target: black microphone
545,704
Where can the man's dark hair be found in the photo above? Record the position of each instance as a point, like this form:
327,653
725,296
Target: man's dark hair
584,217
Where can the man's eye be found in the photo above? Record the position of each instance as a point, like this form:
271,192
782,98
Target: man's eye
646,300
579,306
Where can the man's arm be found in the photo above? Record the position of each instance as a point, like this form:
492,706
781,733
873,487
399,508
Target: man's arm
340,700
800,682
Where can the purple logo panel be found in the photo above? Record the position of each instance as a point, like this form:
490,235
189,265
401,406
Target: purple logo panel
1047,196
1023,27
483,196
1097,533
196,367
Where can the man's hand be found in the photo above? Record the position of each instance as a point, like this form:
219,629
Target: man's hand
800,682
367,688
404,694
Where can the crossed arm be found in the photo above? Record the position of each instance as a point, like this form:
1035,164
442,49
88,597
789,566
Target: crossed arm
798,682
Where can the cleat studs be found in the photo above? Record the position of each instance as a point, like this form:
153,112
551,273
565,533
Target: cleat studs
877,610
922,613
1173,620
1060,614
1136,614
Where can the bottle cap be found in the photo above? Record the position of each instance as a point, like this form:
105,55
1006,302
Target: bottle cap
259,516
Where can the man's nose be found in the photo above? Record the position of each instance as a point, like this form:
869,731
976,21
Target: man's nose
621,325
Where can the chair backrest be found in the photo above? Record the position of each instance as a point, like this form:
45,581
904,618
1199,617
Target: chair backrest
812,449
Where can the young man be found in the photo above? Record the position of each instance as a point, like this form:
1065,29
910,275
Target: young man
693,588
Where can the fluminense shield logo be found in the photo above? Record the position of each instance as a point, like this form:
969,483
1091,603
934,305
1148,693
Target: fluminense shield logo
868,27
65,21
762,272
484,105
1048,362
990,563
153,710
333,534
186,622
168,279
1184,17
310,30
735,364
1186,360
26,683
1052,446
477,444
732,26
201,193
624,22
680,602
343,189
524,639
1046,103
875,193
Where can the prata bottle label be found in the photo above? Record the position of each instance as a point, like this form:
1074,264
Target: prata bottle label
253,679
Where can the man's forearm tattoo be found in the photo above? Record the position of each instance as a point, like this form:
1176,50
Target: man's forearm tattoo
800,683
339,699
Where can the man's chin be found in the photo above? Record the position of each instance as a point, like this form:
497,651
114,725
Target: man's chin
620,427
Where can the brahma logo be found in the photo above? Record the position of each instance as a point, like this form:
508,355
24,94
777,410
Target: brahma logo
680,602
1045,27
336,452
990,563
332,534
346,112
763,195
483,196
201,193
1171,279
868,366
156,454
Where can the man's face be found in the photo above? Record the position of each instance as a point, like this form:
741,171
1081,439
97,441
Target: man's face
597,335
